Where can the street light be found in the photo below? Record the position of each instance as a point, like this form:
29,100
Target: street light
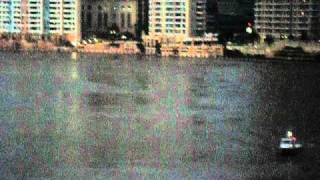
123,37
113,32
249,28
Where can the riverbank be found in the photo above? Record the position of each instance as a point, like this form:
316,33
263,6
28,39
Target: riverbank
107,47
106,116
281,50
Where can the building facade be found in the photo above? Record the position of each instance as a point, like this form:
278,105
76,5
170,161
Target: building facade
173,21
41,18
199,17
228,7
233,15
172,18
212,13
285,18
99,17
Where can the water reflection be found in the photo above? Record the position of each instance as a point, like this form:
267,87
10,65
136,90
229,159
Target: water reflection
120,117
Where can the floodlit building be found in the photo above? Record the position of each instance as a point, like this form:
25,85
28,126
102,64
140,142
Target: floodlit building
172,21
282,18
100,16
178,28
43,18
126,14
171,18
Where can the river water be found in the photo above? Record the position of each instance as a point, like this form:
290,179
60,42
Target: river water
119,117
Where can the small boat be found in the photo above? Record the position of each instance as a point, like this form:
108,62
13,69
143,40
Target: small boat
289,145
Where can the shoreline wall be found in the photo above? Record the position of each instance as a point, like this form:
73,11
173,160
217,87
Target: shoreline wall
269,51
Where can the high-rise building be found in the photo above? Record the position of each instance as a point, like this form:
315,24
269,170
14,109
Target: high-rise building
233,15
228,7
100,16
175,20
285,18
211,13
178,27
41,18
170,17
199,17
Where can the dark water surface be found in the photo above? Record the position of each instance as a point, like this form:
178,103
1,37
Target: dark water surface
104,117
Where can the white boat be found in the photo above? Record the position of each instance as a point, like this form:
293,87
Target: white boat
289,145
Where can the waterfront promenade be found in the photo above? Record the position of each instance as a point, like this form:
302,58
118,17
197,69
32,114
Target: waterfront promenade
107,47
312,49
118,47
269,51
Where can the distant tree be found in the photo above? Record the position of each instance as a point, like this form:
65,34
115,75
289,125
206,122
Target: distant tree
158,48
113,33
138,31
291,37
304,36
127,34
115,28
251,37
141,48
4,35
175,51
224,37
269,39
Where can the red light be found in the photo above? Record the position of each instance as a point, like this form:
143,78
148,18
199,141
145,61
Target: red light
249,24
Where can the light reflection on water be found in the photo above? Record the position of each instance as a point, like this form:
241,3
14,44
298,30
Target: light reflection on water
109,116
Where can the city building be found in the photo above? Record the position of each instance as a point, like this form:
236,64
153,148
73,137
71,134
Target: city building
172,21
199,17
177,28
102,17
170,18
228,7
212,14
235,7
233,15
285,18
41,18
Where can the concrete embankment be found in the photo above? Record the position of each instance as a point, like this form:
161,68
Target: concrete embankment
27,46
288,50
114,47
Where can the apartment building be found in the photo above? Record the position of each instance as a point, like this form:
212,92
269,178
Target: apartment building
212,14
199,17
173,21
41,18
228,7
170,17
284,18
233,15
